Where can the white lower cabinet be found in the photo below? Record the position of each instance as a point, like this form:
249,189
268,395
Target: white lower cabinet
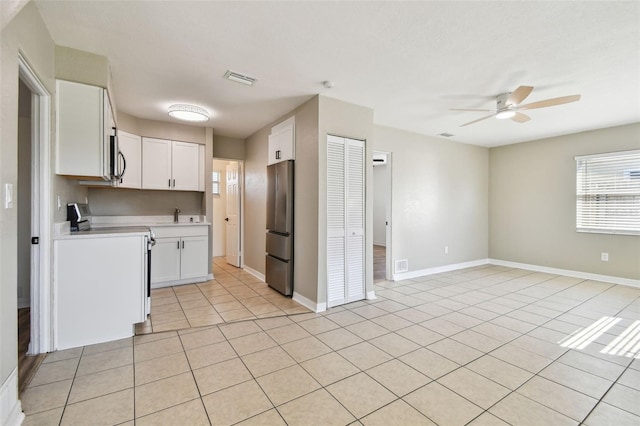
180,256
165,260
99,288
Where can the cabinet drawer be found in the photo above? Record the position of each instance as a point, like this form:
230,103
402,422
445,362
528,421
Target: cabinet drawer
181,231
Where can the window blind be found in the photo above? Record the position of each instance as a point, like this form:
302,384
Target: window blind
608,193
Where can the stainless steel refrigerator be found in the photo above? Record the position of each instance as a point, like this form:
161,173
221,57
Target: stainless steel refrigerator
280,227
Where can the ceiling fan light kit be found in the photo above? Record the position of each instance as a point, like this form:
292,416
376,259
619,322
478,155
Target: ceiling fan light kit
508,105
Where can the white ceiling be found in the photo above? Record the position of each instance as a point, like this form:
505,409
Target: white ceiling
408,61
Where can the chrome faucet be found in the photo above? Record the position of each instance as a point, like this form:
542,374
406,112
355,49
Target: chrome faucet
175,215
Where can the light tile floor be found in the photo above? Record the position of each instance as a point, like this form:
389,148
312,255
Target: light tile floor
233,295
481,346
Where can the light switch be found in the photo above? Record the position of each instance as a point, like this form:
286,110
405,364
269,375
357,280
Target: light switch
8,195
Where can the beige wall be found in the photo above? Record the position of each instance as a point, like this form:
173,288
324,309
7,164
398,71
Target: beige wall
255,199
27,34
305,204
228,148
439,198
533,205
356,122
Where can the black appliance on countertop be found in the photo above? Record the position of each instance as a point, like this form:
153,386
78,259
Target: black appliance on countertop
80,216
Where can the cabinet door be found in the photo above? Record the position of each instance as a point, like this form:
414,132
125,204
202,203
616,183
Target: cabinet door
282,142
274,147
165,260
185,166
131,148
156,164
195,257
79,129
286,143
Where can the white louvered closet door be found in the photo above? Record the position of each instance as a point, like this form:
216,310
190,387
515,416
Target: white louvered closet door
345,220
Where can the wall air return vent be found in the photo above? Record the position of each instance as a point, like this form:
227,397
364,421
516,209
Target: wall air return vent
239,78
402,265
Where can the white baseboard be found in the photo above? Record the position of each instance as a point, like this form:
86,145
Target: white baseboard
255,273
10,408
576,274
438,269
371,295
308,303
181,282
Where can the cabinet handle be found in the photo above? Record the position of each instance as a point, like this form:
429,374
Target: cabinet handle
178,244
277,154
183,245
174,183
169,183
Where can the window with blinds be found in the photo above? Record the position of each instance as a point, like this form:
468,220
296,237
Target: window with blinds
608,193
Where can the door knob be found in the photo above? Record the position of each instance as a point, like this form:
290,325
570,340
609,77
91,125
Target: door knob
227,219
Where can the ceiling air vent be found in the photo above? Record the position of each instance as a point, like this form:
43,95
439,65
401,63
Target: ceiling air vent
239,78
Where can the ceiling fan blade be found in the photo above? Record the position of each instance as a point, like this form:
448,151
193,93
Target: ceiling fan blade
551,102
520,117
469,109
519,95
479,119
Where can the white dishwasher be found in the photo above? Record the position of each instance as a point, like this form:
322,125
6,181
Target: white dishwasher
100,285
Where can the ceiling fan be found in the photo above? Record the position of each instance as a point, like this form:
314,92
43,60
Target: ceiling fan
508,105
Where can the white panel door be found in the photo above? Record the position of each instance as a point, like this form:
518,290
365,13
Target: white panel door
335,221
131,148
185,166
233,215
156,163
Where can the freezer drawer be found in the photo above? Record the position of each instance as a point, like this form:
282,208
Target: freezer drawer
279,245
280,275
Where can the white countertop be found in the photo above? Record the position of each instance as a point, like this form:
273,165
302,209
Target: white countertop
105,232
107,226
151,221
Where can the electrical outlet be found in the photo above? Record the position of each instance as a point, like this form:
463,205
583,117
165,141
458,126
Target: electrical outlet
604,257
446,249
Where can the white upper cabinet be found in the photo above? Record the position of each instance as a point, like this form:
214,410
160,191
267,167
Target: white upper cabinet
185,166
171,165
84,122
131,149
282,142
156,164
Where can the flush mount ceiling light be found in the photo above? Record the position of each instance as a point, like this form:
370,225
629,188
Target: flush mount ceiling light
239,78
188,112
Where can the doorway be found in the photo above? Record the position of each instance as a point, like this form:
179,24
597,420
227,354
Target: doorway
227,211
33,213
381,215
